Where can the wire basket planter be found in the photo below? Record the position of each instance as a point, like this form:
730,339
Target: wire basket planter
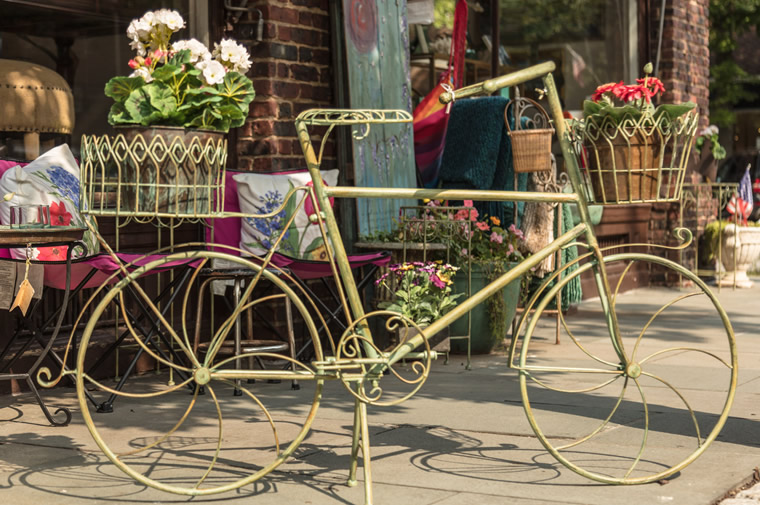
637,160
154,173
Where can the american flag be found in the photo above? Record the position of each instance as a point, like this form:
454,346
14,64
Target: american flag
742,203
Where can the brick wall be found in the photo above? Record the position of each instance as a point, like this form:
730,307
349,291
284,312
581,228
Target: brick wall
685,56
291,72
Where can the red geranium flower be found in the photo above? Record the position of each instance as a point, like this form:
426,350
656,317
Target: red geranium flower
58,214
55,253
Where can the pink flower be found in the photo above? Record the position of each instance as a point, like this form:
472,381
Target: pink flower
482,226
468,203
133,64
498,238
510,250
473,214
437,281
461,215
463,252
516,231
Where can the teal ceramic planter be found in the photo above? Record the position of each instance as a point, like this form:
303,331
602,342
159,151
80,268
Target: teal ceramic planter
481,339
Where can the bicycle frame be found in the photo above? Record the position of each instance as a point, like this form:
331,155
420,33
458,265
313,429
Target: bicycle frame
346,117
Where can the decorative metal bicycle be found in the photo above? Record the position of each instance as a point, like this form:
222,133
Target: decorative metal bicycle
610,391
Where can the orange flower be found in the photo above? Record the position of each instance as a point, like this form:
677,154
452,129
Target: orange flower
495,221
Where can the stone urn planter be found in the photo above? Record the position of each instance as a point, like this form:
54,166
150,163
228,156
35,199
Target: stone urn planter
740,249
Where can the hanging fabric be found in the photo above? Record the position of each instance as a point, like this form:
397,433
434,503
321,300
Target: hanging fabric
431,117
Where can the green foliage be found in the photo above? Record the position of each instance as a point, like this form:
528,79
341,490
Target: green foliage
711,239
729,19
176,97
422,291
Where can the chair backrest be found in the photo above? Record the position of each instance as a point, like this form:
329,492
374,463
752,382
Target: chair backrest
226,231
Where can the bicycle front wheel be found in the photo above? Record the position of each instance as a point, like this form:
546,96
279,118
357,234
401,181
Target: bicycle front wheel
646,416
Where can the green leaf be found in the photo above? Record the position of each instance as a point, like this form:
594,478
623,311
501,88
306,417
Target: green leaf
590,108
180,58
161,98
232,113
673,110
237,89
165,73
119,115
315,244
139,107
120,88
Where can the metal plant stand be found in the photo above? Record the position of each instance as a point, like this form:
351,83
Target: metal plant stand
633,365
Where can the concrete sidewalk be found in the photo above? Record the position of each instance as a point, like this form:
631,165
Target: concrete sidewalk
464,438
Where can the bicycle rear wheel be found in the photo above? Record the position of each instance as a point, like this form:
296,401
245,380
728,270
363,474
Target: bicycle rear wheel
613,420
194,437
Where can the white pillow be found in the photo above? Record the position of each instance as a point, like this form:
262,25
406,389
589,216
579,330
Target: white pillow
264,193
53,180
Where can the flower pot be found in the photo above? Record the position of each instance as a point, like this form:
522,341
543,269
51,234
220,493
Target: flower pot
622,170
439,342
740,249
481,339
637,159
154,171
175,171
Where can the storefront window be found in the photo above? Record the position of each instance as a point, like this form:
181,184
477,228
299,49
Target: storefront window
84,41
591,41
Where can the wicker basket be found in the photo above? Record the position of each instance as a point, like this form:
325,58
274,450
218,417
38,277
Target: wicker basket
531,149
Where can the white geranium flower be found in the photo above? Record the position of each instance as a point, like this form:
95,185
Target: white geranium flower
149,20
198,51
139,47
232,55
213,71
171,19
142,72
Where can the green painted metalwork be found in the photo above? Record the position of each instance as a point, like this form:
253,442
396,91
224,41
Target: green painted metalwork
355,358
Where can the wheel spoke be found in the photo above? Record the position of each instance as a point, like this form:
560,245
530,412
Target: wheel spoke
224,328
185,299
219,439
264,410
145,347
580,346
168,433
683,399
687,349
646,430
603,424
654,316
137,395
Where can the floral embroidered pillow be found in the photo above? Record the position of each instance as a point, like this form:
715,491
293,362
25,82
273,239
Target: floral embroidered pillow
53,180
264,194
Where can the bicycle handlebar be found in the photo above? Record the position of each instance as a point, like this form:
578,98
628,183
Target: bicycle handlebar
506,80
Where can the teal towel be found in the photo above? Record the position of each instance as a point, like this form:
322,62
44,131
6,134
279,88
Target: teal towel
478,154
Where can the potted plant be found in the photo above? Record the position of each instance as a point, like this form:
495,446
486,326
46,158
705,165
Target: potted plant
737,247
422,292
173,111
634,151
487,250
